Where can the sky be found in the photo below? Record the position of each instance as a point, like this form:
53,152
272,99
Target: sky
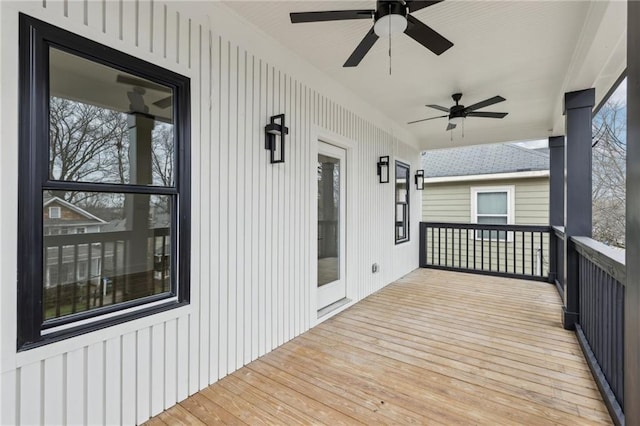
621,92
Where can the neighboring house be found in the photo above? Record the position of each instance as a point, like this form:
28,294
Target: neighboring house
76,262
501,183
62,217
489,184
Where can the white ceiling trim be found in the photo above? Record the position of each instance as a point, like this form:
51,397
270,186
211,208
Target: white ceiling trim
490,176
599,57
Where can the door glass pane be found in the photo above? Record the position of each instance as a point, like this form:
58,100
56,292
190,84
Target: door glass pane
328,219
492,203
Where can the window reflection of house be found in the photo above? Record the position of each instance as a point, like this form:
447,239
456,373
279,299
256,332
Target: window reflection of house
67,264
63,217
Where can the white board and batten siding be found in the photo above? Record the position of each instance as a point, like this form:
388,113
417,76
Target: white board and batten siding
251,255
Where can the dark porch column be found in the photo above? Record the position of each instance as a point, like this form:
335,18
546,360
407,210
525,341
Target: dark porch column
632,289
139,275
556,202
578,108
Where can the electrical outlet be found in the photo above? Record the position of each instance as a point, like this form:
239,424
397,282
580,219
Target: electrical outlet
374,268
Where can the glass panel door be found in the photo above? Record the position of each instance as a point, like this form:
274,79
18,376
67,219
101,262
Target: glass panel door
331,224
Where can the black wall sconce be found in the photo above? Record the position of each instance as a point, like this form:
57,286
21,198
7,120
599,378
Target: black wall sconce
419,180
276,130
383,169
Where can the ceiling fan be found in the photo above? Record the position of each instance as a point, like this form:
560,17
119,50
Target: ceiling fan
390,17
457,113
138,88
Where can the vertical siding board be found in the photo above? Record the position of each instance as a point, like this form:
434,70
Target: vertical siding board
262,208
185,41
145,24
277,224
157,368
247,211
225,88
214,207
297,281
172,20
112,22
93,14
95,383
53,412
232,219
128,378
157,30
129,23
56,7
183,362
143,375
170,363
287,202
199,329
10,397
241,160
76,391
256,193
193,329
269,196
113,381
75,11
31,393
201,62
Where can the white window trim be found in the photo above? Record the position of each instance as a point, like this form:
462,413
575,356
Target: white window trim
56,209
511,204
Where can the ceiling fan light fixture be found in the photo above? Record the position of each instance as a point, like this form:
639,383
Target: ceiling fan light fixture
456,120
393,23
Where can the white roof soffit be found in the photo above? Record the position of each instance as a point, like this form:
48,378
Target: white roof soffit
529,52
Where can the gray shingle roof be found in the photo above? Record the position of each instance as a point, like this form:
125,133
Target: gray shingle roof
483,159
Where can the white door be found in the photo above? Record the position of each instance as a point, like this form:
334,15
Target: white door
331,224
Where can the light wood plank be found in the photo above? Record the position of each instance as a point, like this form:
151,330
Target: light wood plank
435,347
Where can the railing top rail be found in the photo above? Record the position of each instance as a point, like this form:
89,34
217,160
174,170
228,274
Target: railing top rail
608,259
558,230
489,227
97,237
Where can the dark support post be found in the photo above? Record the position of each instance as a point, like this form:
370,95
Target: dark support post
556,200
138,206
578,108
632,288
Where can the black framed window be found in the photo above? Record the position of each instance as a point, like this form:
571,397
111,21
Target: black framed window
402,202
104,186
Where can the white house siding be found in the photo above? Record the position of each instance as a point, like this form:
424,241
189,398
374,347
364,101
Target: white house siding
451,202
252,223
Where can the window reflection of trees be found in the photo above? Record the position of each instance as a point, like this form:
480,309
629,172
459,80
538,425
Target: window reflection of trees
88,143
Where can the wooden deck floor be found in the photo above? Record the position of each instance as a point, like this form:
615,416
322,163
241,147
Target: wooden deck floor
432,348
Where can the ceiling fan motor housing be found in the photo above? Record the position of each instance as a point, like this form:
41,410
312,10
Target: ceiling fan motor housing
385,7
457,111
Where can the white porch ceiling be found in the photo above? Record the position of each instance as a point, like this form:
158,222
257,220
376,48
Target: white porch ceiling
530,52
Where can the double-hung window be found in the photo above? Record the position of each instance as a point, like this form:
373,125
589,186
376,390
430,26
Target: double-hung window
492,206
104,137
402,202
